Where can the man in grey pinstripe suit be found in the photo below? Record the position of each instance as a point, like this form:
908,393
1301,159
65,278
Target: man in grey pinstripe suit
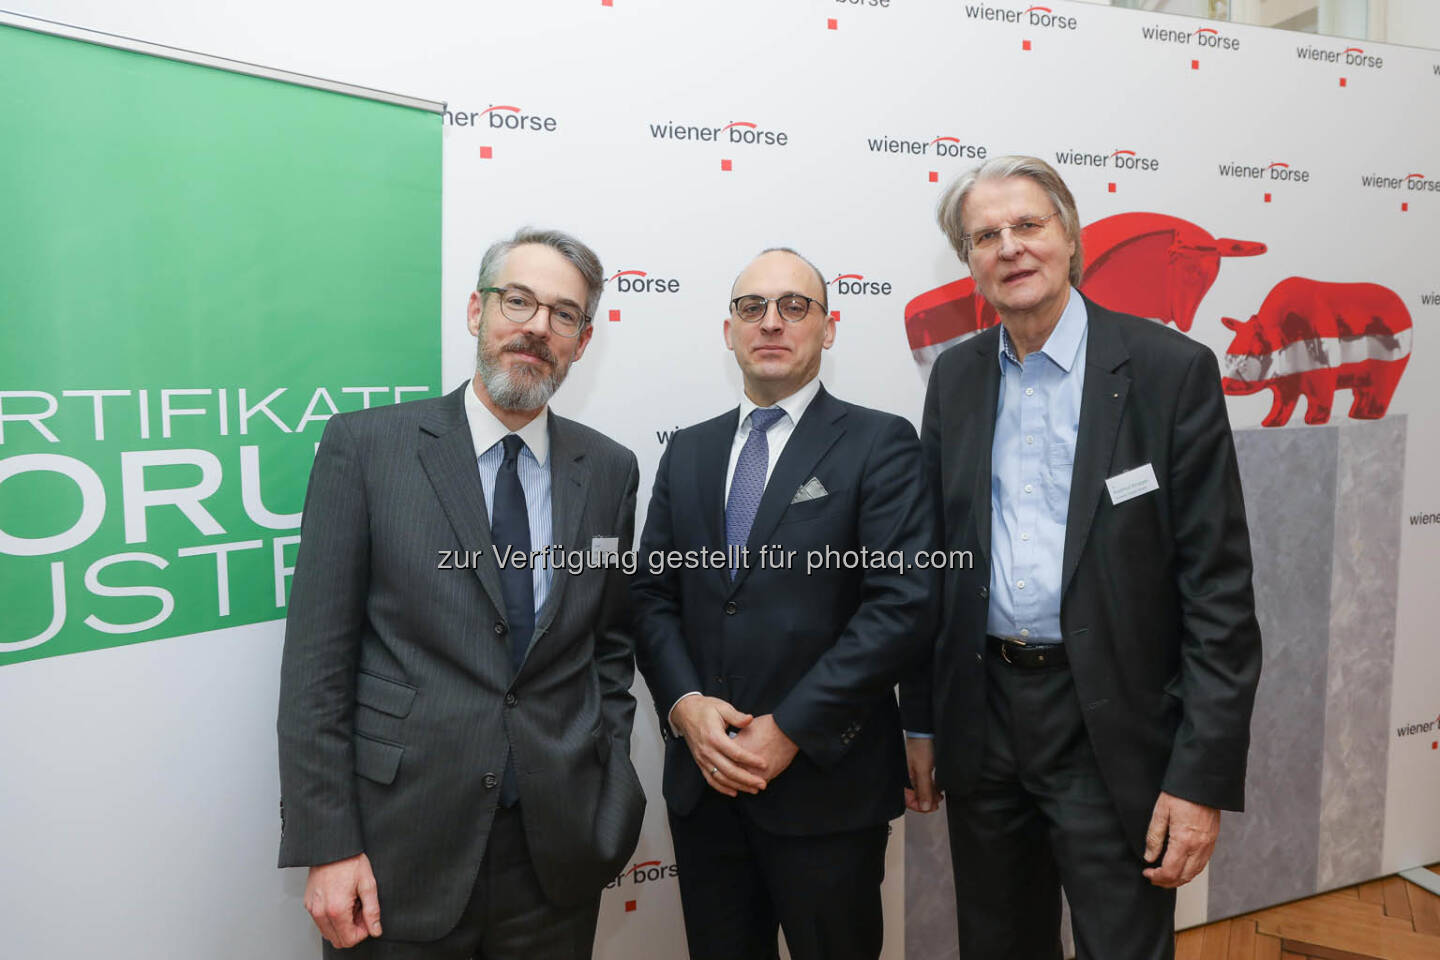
454,730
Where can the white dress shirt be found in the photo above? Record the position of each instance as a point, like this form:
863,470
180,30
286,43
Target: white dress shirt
779,433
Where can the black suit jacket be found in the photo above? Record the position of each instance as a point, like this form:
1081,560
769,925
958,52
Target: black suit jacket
822,651
398,698
1157,609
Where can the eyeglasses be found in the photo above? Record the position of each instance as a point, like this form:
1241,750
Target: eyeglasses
518,306
792,307
1027,229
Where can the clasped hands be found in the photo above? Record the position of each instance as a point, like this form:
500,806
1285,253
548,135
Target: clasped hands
744,763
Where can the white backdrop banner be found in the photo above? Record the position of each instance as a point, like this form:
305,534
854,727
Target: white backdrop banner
1273,195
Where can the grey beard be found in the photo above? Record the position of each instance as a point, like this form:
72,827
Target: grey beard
511,391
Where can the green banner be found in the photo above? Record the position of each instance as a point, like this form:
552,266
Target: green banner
197,268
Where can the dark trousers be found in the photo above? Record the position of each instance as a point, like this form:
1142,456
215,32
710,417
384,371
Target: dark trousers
1042,818
739,883
507,918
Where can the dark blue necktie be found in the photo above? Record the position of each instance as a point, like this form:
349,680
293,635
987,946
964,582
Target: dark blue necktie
748,484
510,527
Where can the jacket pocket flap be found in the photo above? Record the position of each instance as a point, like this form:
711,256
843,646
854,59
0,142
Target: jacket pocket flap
383,694
377,760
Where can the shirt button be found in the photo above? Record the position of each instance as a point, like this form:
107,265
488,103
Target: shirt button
1020,584
1024,536
1029,439
1029,488
1029,391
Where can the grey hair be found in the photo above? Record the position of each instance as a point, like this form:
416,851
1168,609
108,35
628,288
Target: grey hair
824,287
952,203
582,257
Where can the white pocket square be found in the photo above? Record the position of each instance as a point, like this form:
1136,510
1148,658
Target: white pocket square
813,489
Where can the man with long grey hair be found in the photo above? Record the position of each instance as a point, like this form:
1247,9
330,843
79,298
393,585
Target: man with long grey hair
454,709
1087,707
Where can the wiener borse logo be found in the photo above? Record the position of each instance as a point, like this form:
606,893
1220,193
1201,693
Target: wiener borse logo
1411,181
644,871
501,117
1274,171
1115,159
1033,16
1349,57
1207,38
640,281
855,284
941,146
735,132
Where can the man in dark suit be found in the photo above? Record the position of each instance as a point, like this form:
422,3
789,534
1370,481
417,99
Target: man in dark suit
455,724
773,670
1093,675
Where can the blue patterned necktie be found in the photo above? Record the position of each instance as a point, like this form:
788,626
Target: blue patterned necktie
748,484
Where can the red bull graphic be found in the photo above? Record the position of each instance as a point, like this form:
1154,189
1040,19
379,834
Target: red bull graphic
1312,338
1149,264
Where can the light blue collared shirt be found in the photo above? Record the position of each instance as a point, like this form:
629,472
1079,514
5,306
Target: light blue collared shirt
533,468
1037,419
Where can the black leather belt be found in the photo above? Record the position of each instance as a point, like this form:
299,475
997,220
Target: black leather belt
1027,656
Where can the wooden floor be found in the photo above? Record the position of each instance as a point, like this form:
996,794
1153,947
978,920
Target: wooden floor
1389,919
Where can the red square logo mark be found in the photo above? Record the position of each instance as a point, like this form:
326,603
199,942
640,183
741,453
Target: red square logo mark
1194,64
724,164
1342,81
629,906
1025,45
1112,188
1267,198
934,176
1434,744
485,153
614,316
607,3
835,315
1404,207
832,24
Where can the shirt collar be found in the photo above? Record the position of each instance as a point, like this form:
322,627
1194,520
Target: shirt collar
1063,344
486,430
794,405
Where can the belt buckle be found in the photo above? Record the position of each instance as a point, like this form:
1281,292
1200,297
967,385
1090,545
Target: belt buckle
1005,649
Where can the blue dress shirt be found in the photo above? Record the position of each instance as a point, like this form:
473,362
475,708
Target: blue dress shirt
533,468
1032,457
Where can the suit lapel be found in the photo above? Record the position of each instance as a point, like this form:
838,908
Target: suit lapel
448,457
818,429
712,463
569,488
984,407
1102,403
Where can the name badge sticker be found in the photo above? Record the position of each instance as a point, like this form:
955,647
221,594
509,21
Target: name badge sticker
1131,484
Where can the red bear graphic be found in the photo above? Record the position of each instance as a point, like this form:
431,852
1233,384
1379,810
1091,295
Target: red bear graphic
1313,338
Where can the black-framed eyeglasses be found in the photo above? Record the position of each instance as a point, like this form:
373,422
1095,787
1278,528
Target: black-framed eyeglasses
792,307
519,305
1027,229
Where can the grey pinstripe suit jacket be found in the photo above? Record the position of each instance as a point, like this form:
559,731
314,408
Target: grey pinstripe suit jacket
398,700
